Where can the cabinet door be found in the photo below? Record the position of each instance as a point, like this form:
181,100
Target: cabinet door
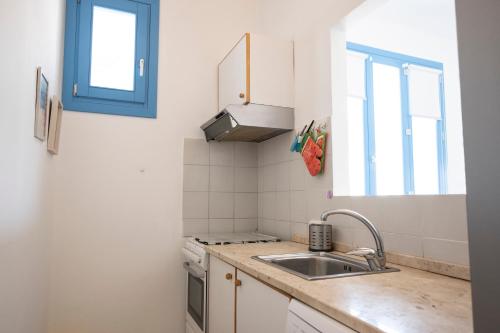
233,75
259,308
221,296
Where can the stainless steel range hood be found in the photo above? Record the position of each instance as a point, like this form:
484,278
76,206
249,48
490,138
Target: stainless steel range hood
250,123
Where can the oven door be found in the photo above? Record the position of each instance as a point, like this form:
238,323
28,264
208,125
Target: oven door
197,295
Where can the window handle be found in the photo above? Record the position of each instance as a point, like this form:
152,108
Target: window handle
141,67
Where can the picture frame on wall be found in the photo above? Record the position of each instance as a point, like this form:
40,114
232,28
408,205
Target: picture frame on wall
41,104
54,131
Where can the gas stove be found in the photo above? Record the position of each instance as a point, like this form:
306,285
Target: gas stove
233,238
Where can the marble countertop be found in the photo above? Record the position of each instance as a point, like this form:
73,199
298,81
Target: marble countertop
407,301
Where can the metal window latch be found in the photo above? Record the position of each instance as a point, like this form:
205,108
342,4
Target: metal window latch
408,131
141,67
405,69
75,89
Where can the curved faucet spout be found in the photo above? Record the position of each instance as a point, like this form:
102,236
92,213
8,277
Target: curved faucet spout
380,255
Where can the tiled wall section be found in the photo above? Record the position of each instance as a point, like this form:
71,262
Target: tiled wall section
220,187
433,227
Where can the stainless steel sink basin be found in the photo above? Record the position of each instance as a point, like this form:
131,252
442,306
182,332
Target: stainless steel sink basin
320,265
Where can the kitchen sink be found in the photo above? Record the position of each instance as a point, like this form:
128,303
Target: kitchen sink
320,265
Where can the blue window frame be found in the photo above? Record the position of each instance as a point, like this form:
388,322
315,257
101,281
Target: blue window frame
80,93
401,61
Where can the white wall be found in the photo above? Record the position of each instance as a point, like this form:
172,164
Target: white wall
31,35
116,259
433,38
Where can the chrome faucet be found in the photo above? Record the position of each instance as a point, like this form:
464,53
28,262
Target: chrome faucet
375,259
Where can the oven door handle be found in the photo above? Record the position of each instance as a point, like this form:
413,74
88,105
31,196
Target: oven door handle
193,271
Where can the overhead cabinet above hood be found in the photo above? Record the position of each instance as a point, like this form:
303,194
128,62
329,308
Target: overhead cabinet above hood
256,85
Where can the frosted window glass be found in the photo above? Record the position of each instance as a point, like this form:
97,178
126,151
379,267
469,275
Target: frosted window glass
425,156
113,49
356,74
388,138
423,86
356,146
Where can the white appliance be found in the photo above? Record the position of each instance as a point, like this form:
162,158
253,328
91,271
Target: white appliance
304,319
196,266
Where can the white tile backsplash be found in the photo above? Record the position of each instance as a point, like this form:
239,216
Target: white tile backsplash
267,227
404,244
245,225
444,217
363,238
402,214
299,229
269,178
195,226
221,225
222,153
245,154
297,175
282,212
282,176
221,205
195,205
221,179
298,208
224,190
245,205
283,230
317,202
269,205
260,179
343,235
245,180
220,187
196,177
196,151
446,250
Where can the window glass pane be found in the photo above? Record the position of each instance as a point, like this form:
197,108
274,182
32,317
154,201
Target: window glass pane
356,147
388,135
113,49
425,156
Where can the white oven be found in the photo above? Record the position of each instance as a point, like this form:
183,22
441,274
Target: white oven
196,312
195,265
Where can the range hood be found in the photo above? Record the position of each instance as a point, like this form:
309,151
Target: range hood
250,123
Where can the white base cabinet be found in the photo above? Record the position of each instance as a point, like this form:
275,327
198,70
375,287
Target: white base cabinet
239,303
259,308
221,292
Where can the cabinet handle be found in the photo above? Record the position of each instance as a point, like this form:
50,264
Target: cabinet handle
229,276
237,283
242,95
